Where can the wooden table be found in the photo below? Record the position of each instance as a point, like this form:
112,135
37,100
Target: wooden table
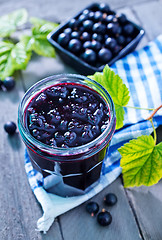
138,214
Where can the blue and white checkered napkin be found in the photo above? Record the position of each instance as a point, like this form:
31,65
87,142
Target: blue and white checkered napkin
141,71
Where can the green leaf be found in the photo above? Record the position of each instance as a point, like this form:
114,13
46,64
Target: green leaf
40,22
38,41
141,162
117,90
6,66
20,57
12,57
9,23
119,116
42,47
28,42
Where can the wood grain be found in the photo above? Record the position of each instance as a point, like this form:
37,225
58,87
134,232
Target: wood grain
19,208
78,224
137,214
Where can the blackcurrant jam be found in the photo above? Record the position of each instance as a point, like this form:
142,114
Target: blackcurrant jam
67,115
67,122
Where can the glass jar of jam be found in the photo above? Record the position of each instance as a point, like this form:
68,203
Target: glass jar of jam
66,122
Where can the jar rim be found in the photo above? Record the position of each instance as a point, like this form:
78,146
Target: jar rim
33,142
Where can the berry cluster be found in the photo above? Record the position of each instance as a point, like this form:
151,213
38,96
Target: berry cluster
8,84
67,115
104,217
97,35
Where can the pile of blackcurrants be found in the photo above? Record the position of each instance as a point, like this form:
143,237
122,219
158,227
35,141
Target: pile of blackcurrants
97,35
104,217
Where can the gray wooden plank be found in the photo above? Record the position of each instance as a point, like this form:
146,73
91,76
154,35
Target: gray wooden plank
150,16
78,224
41,67
19,208
147,202
59,10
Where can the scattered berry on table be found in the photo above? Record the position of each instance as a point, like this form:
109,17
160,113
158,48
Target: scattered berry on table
9,83
110,199
10,127
104,218
92,208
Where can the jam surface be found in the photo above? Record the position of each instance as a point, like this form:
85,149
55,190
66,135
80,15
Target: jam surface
67,115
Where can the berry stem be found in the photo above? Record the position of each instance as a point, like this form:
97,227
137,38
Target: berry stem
149,109
151,116
155,135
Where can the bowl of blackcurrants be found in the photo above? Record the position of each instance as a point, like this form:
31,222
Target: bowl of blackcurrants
94,37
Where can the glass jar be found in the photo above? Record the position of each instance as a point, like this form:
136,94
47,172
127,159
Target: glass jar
67,171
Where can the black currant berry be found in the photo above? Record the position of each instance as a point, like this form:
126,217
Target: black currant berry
67,30
63,39
110,18
74,45
89,56
74,34
99,28
82,18
10,127
86,12
96,46
122,18
104,55
91,15
98,16
121,40
9,83
110,199
128,29
128,40
92,208
1,83
88,24
114,28
104,7
85,36
87,44
73,24
110,43
117,49
104,218
97,37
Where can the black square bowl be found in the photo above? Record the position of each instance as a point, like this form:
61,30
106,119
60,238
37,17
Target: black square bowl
78,63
